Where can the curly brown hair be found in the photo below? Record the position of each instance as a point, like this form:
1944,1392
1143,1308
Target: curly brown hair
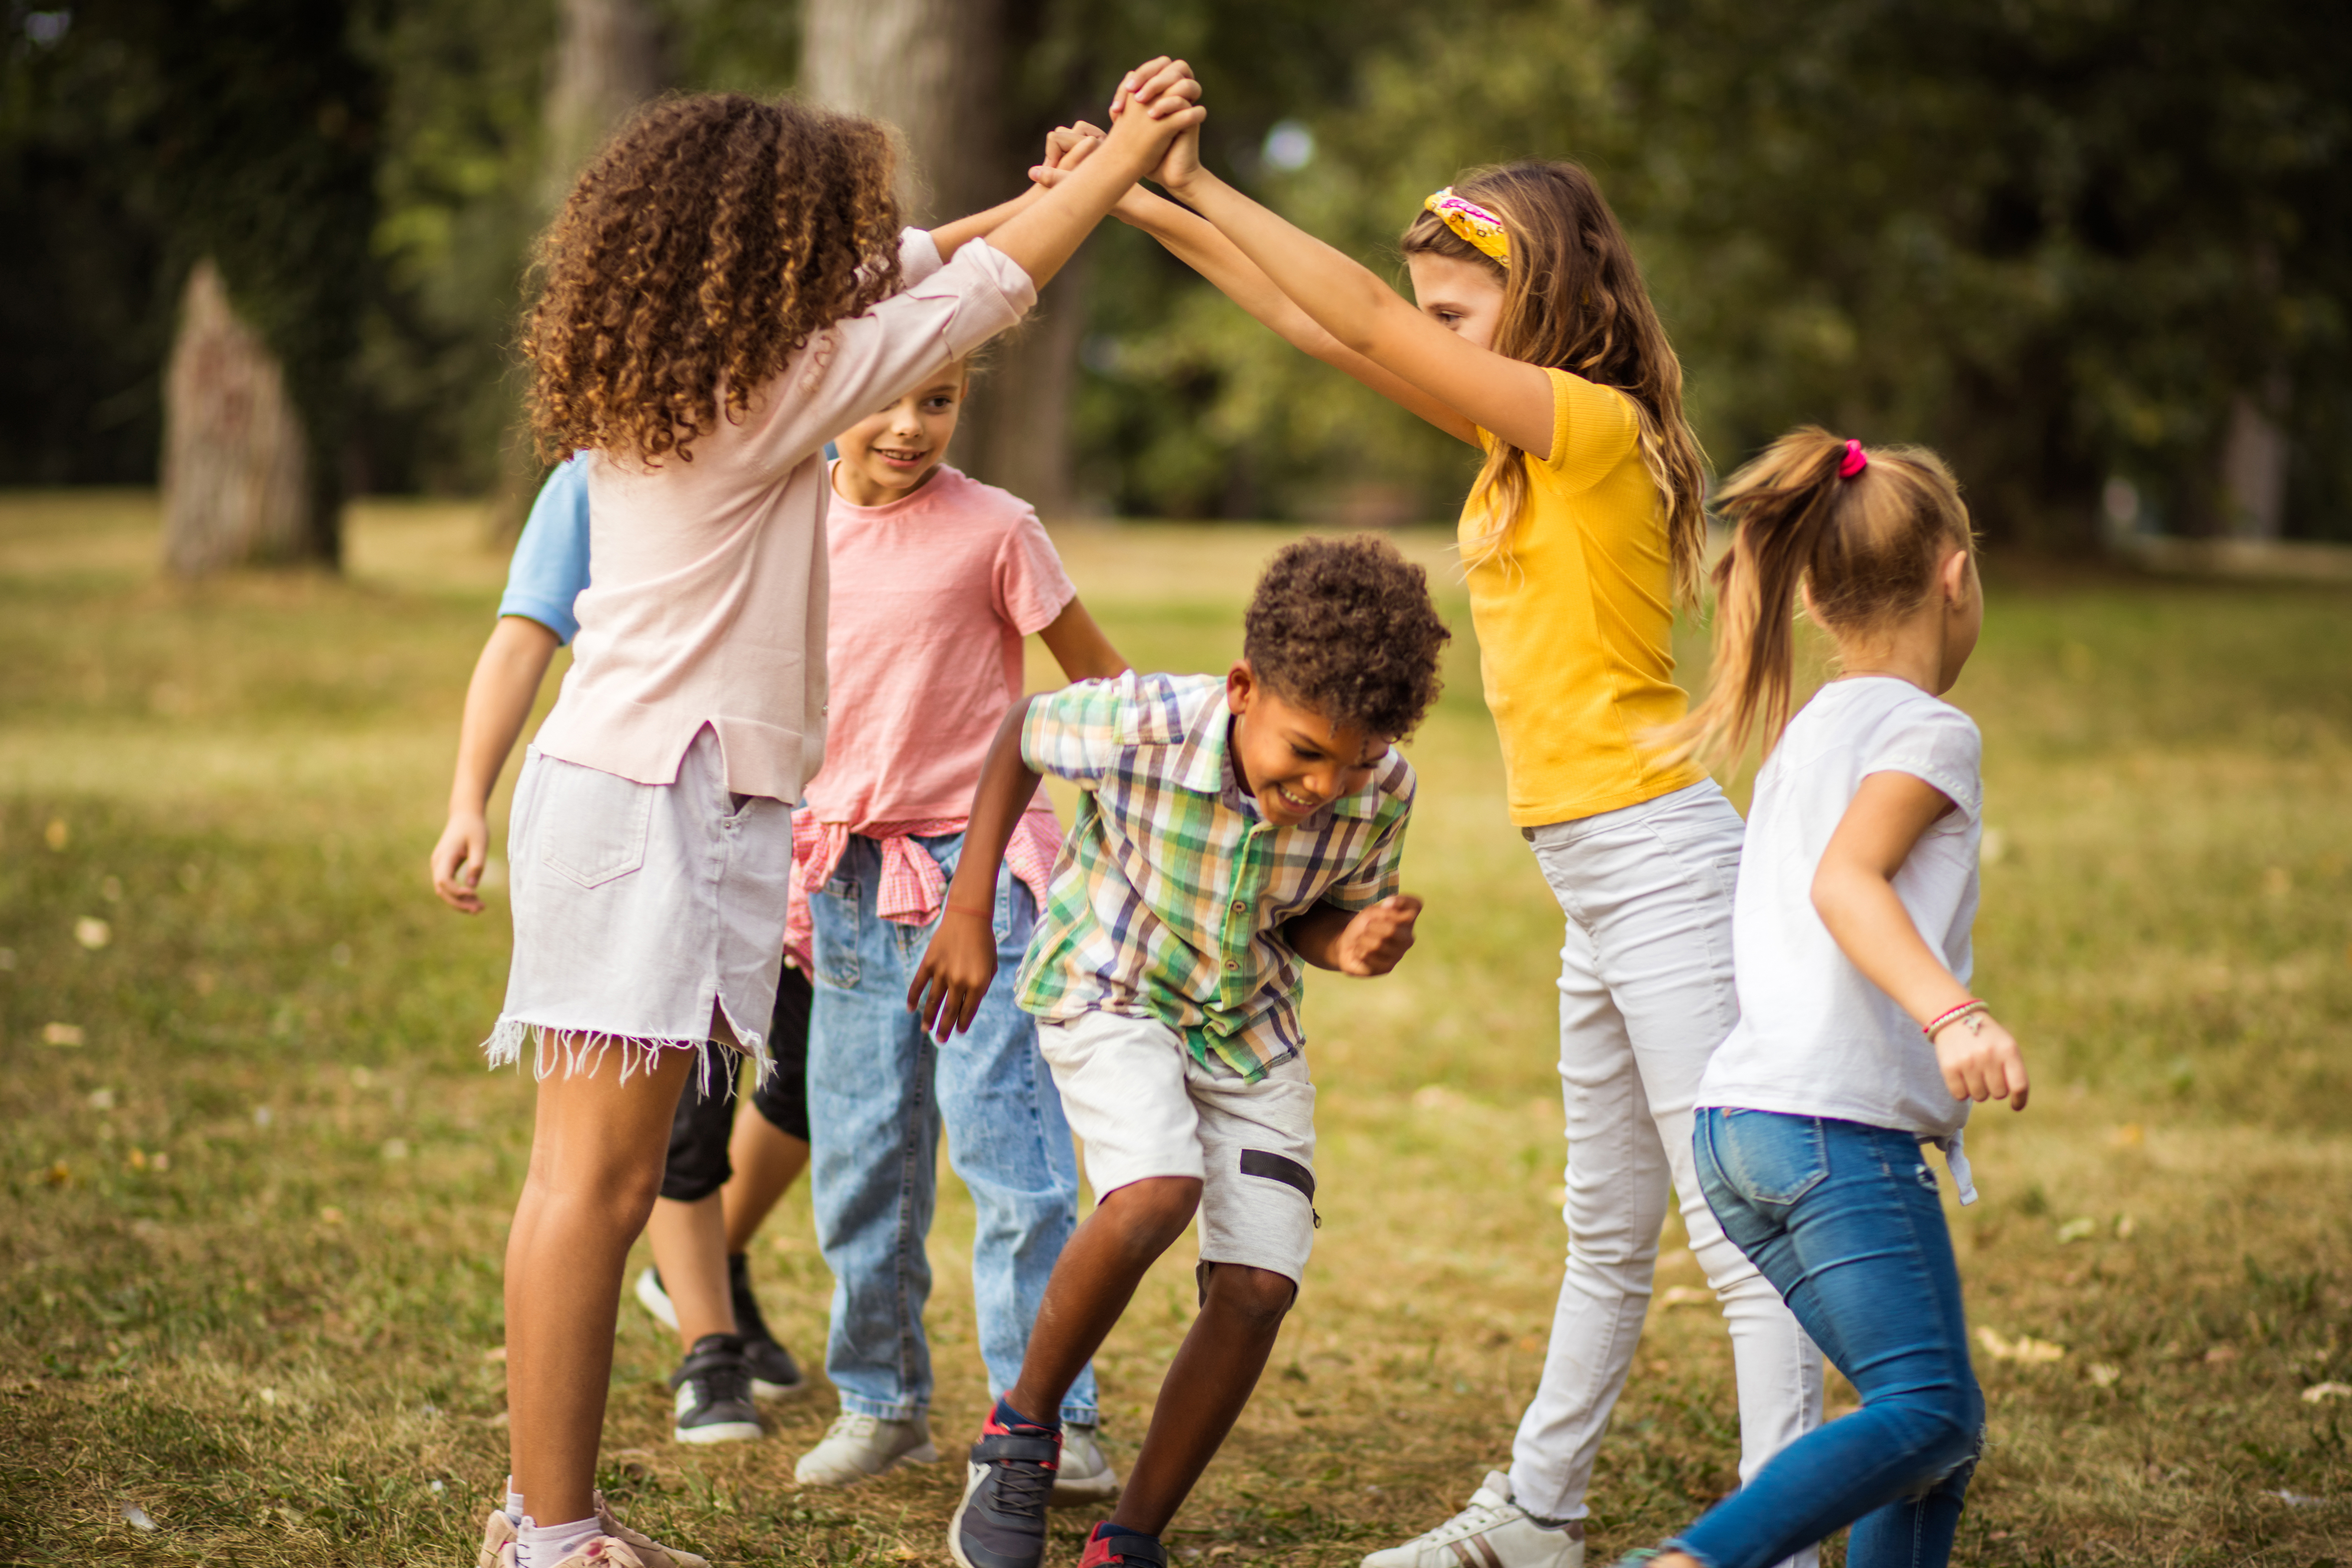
1346,627
712,237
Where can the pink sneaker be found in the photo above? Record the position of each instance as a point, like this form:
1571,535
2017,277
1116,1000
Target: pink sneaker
499,1540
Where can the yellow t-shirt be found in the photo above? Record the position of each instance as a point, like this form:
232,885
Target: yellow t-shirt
1575,619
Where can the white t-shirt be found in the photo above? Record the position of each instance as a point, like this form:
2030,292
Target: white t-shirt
1815,1037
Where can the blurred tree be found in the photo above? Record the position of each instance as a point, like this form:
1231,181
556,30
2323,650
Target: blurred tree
265,118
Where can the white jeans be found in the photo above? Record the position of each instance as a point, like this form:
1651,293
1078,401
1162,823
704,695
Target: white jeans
1645,996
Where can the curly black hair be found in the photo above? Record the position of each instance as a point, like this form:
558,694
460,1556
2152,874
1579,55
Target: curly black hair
1345,627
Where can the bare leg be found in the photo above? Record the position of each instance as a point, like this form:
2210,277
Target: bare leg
689,1243
1105,1261
767,1162
1207,1384
596,1154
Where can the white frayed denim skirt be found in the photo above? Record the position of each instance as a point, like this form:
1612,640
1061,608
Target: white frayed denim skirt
637,910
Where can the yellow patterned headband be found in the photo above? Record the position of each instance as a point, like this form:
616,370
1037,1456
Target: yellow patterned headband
1473,223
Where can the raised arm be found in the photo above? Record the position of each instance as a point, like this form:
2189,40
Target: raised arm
1854,892
497,700
1040,238
957,967
1368,317
1194,241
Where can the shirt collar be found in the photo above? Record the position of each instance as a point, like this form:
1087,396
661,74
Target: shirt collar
1205,766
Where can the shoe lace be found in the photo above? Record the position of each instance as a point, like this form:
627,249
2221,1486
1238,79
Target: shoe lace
852,1424
1026,1485
1478,1516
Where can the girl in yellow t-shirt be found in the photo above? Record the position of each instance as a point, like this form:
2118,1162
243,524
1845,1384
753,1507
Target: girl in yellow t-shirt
1533,338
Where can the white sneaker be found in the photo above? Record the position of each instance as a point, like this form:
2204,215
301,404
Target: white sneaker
654,1300
856,1448
1492,1532
1086,1475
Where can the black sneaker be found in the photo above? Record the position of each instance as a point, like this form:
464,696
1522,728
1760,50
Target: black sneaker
714,1392
1001,1523
774,1374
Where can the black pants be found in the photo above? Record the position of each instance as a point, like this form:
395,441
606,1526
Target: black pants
698,1132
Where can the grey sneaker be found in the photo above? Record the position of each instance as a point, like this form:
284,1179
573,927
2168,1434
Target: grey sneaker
714,1392
1085,1476
857,1448
1492,1532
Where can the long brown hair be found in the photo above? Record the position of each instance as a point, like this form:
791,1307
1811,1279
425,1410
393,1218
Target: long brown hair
712,237
1863,549
1573,300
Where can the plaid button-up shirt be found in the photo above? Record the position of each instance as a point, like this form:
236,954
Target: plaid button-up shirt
1169,897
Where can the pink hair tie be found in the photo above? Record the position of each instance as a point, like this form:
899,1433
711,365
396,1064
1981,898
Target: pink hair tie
1854,460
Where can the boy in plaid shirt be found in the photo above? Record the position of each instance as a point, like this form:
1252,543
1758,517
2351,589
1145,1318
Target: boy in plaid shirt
1230,830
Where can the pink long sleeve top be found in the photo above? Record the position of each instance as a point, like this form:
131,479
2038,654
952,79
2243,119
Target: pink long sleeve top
708,606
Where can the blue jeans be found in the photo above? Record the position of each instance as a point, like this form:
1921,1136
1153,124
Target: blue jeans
879,1091
1843,1219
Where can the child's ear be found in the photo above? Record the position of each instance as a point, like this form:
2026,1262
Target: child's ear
1240,685
1955,577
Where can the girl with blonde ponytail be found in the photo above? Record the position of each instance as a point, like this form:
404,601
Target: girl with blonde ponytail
1532,337
1857,1041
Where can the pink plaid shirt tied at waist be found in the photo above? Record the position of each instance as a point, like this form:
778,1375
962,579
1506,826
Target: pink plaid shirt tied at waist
913,888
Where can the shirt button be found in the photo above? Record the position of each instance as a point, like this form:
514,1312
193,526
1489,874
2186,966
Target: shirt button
1231,964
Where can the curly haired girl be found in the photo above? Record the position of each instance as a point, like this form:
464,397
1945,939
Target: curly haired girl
1535,340
726,288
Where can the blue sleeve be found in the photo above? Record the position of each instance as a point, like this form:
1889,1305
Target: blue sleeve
550,559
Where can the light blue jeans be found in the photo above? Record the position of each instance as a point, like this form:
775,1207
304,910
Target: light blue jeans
1843,1219
879,1091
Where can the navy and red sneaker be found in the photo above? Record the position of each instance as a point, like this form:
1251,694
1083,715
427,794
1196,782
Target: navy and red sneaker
1107,1549
1001,1523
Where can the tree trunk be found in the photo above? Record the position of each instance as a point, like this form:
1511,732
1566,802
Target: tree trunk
2254,463
938,69
608,59
236,463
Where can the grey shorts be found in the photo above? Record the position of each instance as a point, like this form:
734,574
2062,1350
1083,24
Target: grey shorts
640,908
1143,1107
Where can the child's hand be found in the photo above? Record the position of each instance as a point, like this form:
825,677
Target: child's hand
1167,95
1982,1061
1378,938
1067,146
458,859
955,974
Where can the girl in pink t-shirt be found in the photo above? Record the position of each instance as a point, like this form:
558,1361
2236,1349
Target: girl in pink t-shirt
726,288
939,579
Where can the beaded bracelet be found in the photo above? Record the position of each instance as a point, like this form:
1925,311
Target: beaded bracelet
1968,1008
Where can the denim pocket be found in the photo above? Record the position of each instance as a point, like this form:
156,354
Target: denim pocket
834,921
1770,1158
591,823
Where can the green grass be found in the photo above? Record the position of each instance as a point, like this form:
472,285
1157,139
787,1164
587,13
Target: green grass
253,1220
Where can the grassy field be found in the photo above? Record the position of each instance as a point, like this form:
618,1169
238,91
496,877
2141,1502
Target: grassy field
258,1181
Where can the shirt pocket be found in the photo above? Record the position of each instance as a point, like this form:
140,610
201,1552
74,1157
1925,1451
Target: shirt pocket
593,823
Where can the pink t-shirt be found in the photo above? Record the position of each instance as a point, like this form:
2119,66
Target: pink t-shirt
932,596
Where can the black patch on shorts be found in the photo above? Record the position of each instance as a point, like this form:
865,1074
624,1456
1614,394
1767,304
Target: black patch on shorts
1278,1168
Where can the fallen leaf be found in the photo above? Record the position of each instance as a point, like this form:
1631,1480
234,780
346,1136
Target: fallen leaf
62,1034
136,1517
2025,1349
2080,1228
92,932
2103,1374
2220,1355
57,1175
2319,1393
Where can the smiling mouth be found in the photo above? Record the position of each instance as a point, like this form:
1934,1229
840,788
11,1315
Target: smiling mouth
896,455
1297,802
